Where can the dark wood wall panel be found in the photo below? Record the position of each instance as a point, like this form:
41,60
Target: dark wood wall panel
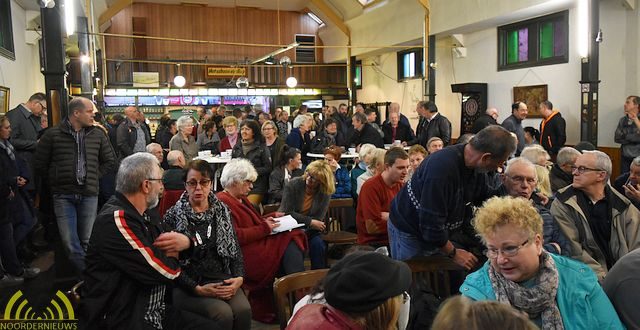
243,25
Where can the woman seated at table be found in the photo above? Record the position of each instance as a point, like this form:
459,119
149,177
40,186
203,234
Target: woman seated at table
230,139
417,154
209,139
211,277
375,166
290,167
252,147
332,155
326,138
273,141
364,154
183,140
554,291
265,255
307,200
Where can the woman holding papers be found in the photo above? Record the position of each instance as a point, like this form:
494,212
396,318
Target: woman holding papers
307,199
212,275
265,255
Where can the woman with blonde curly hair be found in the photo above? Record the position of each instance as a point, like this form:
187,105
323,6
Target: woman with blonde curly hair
460,312
554,291
306,198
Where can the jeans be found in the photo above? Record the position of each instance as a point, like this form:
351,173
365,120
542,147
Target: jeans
317,252
75,215
404,246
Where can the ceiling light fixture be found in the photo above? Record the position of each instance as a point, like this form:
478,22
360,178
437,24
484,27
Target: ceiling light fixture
70,17
179,80
46,3
315,18
270,60
292,82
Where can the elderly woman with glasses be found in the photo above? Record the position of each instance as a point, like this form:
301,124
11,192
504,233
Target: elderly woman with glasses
212,275
265,254
273,142
554,291
183,140
230,125
307,200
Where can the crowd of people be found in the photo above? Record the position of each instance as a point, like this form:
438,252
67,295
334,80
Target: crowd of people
538,226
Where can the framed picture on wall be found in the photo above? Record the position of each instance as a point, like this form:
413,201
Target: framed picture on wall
6,30
531,96
4,99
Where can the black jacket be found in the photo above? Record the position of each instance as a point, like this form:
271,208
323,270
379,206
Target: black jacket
276,183
127,137
321,141
439,126
368,134
124,269
173,178
56,159
553,135
403,133
559,178
483,121
260,157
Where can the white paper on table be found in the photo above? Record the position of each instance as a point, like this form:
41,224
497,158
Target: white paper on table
287,223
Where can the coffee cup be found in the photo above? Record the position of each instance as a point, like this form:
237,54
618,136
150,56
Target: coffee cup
352,151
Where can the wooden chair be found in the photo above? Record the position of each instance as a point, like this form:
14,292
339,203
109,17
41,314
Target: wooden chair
269,208
434,273
339,210
169,199
74,294
289,289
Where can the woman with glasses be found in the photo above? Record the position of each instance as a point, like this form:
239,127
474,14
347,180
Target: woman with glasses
265,254
183,140
230,125
253,148
554,291
306,199
212,275
273,141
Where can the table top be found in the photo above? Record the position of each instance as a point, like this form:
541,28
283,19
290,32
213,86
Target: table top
214,159
388,146
344,156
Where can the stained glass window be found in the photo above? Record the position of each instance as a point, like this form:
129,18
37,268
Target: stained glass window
539,41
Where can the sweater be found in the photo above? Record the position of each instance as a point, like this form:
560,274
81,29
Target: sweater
375,197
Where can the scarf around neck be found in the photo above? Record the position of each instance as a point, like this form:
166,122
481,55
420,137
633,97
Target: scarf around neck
8,147
219,216
233,139
540,300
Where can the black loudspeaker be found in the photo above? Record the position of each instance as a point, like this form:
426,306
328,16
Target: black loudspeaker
474,103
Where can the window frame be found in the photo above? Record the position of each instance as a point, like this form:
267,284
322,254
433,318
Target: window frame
419,62
7,47
533,26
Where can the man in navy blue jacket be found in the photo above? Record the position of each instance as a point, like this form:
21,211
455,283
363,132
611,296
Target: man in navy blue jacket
432,212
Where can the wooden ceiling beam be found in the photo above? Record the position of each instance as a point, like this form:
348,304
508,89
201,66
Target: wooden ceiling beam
113,10
333,17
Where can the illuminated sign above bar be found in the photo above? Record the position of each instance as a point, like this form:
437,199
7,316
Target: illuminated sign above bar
211,92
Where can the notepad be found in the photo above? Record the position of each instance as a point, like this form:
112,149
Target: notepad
287,223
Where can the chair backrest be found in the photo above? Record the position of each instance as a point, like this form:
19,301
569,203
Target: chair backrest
340,210
433,272
289,289
169,199
269,208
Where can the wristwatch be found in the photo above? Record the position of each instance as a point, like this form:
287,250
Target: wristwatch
452,253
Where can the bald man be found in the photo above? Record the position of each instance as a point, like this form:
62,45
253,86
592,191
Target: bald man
489,117
132,136
394,107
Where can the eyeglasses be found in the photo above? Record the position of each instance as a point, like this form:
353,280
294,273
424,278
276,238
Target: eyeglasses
582,169
203,183
43,107
521,179
509,251
152,179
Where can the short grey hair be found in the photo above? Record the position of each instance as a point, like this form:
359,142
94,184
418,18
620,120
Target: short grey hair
300,119
520,160
636,161
603,161
134,170
237,170
365,149
152,146
567,155
184,121
534,152
173,156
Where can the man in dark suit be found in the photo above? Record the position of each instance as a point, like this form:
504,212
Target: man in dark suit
396,130
435,124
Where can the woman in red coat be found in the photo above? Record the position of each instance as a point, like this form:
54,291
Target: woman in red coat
265,255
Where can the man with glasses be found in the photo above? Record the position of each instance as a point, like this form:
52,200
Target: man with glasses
25,126
72,156
601,224
520,180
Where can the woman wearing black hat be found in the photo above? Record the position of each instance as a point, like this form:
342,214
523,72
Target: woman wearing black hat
364,290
